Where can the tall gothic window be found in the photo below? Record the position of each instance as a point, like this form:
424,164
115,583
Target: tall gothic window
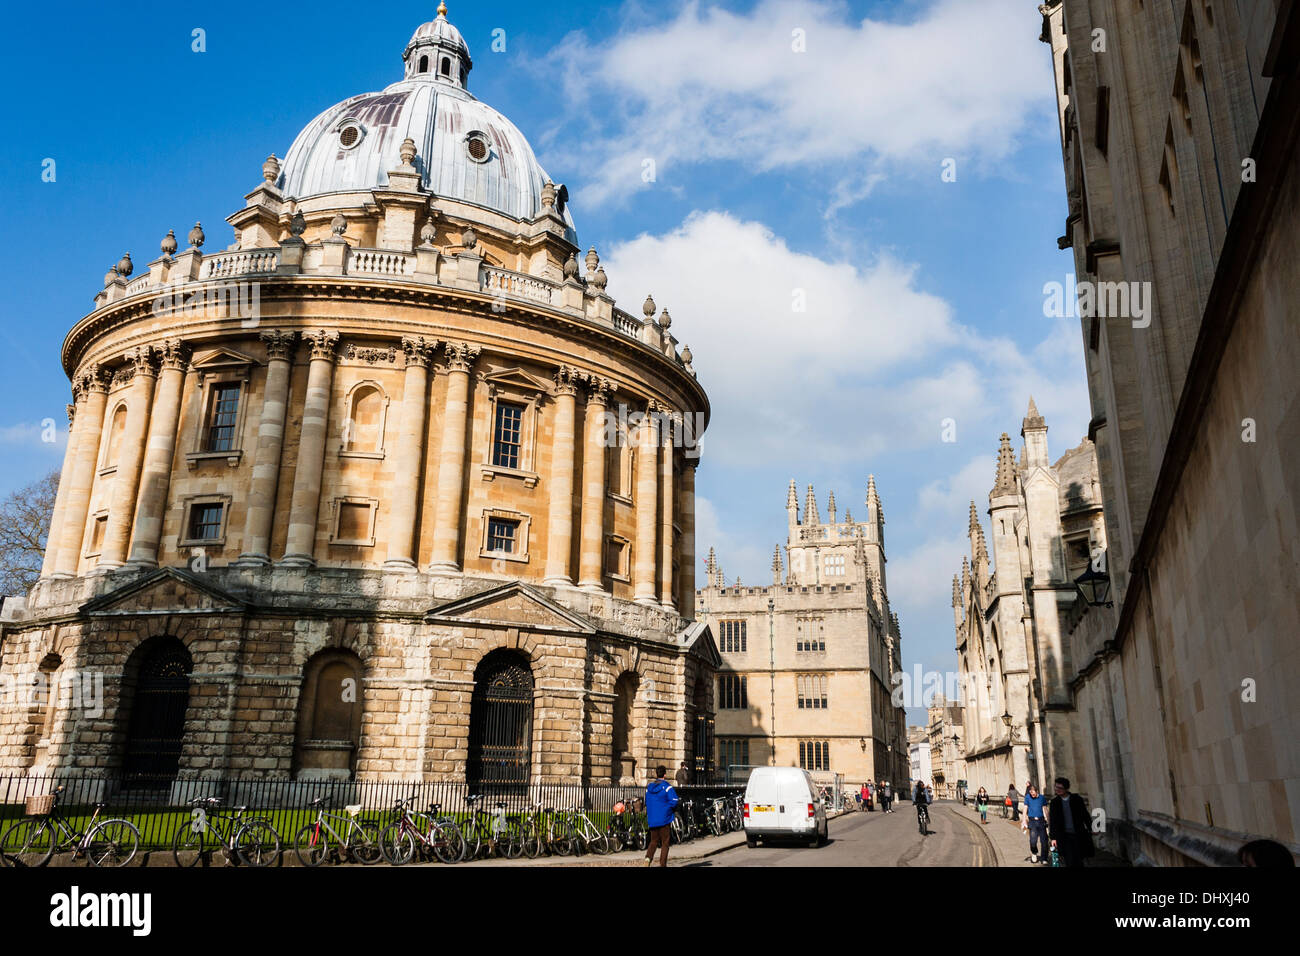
733,693
815,754
732,637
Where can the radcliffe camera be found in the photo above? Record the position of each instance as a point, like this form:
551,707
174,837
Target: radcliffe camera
401,405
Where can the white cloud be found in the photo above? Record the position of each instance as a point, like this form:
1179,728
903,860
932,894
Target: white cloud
948,499
34,435
715,85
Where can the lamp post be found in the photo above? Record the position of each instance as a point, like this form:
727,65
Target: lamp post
1094,584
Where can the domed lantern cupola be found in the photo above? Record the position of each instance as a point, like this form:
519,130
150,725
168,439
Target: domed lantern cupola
438,52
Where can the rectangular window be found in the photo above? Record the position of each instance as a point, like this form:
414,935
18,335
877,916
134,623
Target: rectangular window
505,442
502,535
815,754
732,637
835,565
222,416
733,752
205,522
810,636
811,691
732,692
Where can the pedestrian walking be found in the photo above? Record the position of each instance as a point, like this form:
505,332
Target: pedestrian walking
1013,801
1067,823
888,796
684,775
660,802
982,804
1036,823
864,798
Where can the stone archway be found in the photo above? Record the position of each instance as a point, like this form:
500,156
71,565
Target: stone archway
329,717
156,694
501,723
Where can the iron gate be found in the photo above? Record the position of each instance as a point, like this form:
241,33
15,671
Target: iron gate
157,725
501,724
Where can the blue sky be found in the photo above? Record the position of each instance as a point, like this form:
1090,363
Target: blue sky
797,151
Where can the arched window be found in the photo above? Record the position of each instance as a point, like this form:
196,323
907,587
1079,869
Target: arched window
155,698
329,717
501,723
446,67
424,64
363,428
113,443
624,760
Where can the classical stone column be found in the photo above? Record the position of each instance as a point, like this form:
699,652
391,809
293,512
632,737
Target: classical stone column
410,454
559,527
592,548
151,502
647,501
686,544
304,508
666,510
266,454
126,483
451,459
91,389
52,537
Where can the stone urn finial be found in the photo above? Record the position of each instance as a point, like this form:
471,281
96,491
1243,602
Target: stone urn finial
648,307
686,355
271,169
665,320
407,151
110,275
124,266
469,239
593,260
548,194
427,233
571,267
599,279
196,236
339,224
168,245
297,223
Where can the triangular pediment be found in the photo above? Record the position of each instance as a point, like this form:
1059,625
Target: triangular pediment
515,379
511,605
212,360
697,638
167,589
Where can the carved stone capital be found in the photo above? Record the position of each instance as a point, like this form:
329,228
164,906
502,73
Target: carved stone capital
72,414
138,361
599,388
418,350
566,380
90,378
173,354
279,345
461,355
322,344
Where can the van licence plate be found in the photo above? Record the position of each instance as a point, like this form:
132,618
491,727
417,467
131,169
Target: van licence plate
762,809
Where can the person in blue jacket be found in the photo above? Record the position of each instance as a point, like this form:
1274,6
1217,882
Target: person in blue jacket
660,801
1036,823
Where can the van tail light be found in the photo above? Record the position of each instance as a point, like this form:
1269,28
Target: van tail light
747,811
811,812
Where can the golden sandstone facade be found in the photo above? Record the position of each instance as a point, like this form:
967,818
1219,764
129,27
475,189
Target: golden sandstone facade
389,488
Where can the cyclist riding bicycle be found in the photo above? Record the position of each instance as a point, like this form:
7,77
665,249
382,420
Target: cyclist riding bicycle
921,799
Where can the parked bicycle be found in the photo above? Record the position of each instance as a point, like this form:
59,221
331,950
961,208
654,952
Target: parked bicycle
35,839
320,840
627,826
491,834
546,831
211,826
586,835
400,839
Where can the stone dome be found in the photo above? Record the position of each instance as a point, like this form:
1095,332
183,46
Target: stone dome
466,150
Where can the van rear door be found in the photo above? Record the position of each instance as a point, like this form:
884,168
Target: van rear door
764,800
796,794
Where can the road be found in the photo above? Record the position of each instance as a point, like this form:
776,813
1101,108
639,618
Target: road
875,839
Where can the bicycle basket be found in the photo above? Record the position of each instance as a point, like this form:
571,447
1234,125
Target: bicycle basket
40,806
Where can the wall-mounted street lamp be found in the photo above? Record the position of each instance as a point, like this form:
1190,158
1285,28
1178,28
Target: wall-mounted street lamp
1094,587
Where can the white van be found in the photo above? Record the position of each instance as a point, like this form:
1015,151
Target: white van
783,802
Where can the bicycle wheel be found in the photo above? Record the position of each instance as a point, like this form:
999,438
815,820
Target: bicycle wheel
312,845
397,846
257,844
563,840
448,844
189,846
642,836
599,843
29,842
367,850
615,837
513,838
112,843
532,840
473,841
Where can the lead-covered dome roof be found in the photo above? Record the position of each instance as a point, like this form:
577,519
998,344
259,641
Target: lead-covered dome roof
466,150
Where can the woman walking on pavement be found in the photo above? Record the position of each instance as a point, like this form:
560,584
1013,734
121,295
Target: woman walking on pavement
1013,801
982,804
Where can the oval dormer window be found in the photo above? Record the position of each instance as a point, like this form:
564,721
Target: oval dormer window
349,135
476,144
